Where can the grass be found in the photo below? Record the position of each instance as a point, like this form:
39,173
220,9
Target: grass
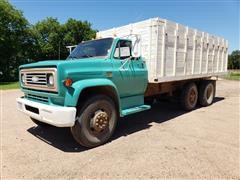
233,75
9,85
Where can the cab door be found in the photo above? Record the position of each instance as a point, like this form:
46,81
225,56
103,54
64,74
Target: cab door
129,74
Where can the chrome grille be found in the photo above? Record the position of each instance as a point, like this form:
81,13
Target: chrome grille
37,78
41,78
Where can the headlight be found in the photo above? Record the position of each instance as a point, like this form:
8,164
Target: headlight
50,80
23,78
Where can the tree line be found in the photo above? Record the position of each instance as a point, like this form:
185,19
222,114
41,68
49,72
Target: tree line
234,60
22,42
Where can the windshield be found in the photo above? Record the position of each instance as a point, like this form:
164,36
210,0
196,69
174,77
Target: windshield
94,48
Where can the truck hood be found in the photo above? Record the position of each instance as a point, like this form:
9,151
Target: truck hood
56,63
46,63
77,69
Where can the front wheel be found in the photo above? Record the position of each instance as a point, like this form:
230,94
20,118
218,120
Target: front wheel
95,121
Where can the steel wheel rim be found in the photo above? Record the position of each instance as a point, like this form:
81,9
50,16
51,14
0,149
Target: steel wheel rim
192,97
100,121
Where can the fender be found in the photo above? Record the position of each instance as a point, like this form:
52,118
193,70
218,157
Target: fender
73,93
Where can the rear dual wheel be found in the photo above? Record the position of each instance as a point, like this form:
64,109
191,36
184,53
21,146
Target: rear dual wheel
189,96
95,122
206,93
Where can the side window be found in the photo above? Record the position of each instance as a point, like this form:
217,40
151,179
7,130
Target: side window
123,49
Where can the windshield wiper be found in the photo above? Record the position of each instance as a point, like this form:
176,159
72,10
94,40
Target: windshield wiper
86,56
83,56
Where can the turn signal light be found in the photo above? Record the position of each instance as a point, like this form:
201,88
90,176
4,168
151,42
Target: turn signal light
68,82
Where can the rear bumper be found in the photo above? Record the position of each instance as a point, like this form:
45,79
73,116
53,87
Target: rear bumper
54,115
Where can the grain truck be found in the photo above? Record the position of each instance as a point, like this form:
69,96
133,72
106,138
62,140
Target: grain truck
120,73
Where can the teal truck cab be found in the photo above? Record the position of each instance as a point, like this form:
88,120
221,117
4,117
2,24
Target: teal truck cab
99,81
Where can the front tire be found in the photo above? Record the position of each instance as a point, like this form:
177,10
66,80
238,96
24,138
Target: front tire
95,122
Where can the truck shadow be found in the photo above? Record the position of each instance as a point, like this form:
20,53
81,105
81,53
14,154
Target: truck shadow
62,139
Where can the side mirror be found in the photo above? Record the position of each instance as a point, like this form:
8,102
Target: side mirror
125,52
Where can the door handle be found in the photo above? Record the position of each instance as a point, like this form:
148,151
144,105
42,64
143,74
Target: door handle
108,74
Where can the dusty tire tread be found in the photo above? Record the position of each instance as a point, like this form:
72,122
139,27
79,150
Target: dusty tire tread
184,94
201,99
76,129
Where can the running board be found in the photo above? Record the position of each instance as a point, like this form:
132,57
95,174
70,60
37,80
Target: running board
135,109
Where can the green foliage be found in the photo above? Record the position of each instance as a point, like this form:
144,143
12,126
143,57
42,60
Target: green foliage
13,40
48,34
234,60
52,37
75,32
21,42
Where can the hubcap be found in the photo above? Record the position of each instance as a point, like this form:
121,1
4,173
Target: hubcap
192,96
100,121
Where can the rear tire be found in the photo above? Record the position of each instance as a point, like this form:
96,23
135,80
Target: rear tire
95,121
206,93
189,96
39,123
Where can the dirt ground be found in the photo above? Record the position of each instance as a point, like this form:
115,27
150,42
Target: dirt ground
163,142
